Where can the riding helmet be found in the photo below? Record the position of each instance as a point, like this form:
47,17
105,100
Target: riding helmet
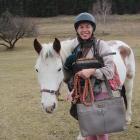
85,17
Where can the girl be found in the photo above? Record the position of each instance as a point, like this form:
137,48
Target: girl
85,26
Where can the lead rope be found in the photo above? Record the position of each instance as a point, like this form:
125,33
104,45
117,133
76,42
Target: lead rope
82,95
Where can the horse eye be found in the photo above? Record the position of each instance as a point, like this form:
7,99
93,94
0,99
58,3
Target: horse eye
59,69
36,70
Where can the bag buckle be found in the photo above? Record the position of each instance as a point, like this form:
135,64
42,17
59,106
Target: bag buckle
101,105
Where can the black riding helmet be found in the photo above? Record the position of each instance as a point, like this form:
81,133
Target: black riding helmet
85,17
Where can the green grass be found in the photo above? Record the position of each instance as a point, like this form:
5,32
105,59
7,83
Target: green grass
21,115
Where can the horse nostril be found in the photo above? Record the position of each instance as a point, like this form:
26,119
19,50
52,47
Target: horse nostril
53,107
49,112
50,109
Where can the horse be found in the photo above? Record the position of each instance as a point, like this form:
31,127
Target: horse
52,56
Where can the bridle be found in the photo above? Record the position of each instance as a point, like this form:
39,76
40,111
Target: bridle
53,92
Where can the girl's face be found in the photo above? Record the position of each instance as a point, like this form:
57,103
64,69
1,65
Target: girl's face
85,30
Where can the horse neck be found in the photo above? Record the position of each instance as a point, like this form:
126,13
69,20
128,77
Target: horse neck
67,47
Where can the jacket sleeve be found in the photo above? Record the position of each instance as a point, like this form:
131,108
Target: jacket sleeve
109,67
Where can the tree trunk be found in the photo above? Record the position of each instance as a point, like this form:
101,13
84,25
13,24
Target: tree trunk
11,46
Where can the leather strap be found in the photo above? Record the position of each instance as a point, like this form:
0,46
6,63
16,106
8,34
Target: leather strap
110,93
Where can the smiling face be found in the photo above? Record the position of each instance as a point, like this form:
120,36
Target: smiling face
85,30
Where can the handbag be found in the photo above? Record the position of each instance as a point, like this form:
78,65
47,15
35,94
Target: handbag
103,116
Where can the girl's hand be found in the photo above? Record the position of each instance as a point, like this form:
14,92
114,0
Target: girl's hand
86,73
69,96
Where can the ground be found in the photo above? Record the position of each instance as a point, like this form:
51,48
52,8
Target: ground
21,115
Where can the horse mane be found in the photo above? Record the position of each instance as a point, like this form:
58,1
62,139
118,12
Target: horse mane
47,50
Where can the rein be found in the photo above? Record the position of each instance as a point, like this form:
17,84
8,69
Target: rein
82,94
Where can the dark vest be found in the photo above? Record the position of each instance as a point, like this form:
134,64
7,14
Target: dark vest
74,63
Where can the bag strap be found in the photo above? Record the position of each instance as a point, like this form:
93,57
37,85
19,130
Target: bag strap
100,58
110,93
96,48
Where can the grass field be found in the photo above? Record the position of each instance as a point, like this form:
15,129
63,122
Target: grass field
21,115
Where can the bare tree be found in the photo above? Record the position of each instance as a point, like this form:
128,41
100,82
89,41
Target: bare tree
102,8
14,28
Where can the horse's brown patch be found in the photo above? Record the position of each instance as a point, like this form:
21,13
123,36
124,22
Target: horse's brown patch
129,75
124,52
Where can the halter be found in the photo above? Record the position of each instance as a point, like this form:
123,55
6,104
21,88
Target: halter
56,92
53,92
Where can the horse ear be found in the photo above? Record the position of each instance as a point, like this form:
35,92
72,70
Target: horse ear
37,46
57,45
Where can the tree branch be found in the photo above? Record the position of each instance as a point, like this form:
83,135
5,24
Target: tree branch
18,36
14,29
3,38
2,44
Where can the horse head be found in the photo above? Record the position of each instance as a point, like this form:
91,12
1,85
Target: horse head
49,71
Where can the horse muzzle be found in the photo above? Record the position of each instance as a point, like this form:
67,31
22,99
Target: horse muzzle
49,109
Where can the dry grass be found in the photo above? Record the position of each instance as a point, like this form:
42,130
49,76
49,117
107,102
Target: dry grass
21,116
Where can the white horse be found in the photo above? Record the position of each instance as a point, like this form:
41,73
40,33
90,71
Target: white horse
50,61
